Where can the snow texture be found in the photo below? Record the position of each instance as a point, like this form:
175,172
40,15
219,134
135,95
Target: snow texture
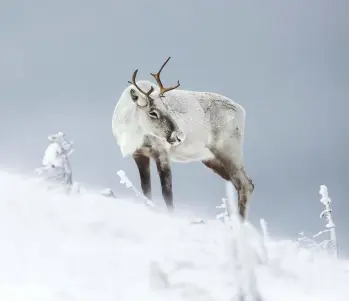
88,247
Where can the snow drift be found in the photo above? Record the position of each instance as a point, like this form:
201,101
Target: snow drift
90,247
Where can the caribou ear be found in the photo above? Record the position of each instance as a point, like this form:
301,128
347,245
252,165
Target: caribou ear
138,99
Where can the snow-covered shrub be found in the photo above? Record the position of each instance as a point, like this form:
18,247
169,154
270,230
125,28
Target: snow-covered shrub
327,245
56,167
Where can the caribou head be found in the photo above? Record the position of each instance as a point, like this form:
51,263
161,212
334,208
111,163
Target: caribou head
153,114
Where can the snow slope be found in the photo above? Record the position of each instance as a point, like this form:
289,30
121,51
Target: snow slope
55,247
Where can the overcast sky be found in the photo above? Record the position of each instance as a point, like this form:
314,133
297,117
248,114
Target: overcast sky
63,65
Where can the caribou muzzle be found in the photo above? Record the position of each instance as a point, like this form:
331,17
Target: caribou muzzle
176,137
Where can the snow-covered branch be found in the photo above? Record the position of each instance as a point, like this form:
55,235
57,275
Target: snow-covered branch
126,181
264,226
311,243
223,216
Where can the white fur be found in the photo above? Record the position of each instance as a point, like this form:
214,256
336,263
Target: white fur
198,114
126,124
201,116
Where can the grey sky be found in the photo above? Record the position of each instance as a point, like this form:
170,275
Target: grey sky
64,64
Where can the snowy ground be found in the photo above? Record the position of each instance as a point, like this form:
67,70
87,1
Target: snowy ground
55,247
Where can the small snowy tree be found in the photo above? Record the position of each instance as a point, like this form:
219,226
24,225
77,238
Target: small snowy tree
328,245
327,213
56,166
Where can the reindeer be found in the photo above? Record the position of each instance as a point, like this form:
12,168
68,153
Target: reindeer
181,126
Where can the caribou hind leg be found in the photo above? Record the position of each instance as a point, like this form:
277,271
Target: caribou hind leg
217,168
238,176
143,164
246,188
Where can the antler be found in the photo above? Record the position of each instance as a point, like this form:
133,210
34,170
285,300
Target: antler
147,94
157,78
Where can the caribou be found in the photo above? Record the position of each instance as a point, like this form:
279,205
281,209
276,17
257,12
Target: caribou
169,124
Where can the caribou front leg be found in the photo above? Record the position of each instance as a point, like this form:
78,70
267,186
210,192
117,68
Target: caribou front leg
164,169
143,164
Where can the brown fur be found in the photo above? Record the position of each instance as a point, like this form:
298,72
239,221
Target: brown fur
142,158
238,176
221,165
143,164
217,167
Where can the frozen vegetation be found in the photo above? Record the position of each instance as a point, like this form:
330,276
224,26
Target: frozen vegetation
56,170
62,242
328,245
58,246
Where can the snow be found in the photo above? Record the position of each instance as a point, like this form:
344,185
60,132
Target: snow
90,247
58,150
52,155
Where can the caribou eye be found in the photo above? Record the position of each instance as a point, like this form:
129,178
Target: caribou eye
153,114
133,94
